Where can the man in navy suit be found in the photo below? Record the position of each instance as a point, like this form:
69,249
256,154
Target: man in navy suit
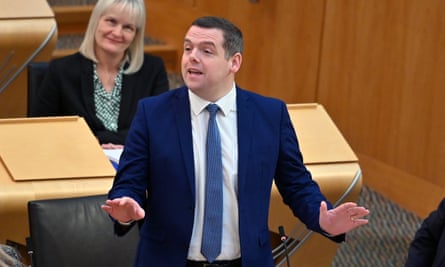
428,246
161,176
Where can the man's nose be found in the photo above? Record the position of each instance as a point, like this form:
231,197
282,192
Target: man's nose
194,55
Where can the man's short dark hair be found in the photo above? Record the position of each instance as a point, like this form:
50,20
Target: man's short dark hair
233,37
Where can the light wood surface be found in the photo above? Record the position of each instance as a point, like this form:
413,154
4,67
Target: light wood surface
335,177
281,40
19,9
319,138
31,149
337,181
381,79
46,158
333,165
25,25
72,19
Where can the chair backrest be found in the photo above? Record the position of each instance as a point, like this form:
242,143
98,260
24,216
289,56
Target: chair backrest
77,232
36,73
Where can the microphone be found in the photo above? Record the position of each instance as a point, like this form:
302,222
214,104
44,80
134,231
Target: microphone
283,238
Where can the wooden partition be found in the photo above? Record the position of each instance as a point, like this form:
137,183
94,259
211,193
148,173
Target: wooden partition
281,40
28,32
382,77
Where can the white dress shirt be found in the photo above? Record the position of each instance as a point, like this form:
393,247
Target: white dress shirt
227,124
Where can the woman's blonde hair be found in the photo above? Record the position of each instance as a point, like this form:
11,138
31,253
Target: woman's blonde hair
135,52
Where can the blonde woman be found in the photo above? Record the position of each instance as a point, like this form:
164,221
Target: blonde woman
108,76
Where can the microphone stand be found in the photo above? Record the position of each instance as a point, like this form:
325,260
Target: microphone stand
283,238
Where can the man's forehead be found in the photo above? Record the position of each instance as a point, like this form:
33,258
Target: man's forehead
198,34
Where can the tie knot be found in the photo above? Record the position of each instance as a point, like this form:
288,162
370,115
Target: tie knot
212,109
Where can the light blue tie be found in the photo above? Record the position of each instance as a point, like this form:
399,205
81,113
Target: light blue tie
212,226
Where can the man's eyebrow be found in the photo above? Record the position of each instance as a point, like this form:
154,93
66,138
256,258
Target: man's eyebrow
210,43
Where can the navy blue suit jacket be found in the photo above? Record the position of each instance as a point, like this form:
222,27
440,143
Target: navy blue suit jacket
428,245
158,158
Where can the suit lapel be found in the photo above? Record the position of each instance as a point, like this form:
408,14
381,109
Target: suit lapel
184,129
245,128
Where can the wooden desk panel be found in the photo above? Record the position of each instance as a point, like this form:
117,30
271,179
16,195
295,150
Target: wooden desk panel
319,138
339,182
334,175
333,179
43,158
32,149
334,166
14,197
19,9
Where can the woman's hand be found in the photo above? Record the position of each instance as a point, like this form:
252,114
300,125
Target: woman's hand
111,146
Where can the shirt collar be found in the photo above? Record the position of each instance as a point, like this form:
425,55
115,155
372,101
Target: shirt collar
226,103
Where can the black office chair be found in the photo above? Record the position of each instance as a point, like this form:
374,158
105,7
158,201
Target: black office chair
76,232
36,73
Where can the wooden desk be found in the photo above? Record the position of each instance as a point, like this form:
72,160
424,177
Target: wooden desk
339,182
327,155
46,158
334,166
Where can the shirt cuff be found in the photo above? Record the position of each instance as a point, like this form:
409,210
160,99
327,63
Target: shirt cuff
125,223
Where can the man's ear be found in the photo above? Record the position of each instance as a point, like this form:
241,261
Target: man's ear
235,62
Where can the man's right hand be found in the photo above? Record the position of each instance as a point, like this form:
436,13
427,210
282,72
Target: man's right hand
124,209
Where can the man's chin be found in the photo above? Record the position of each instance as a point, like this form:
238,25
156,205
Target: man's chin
197,90
193,85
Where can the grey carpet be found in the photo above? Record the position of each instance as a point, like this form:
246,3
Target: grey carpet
384,241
